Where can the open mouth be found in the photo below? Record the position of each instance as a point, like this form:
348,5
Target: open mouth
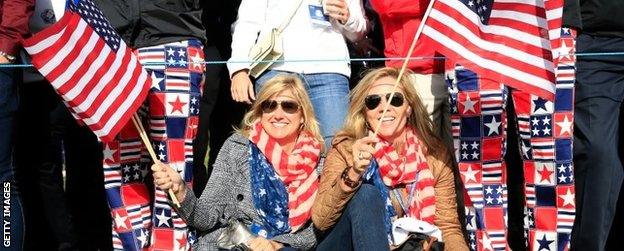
279,124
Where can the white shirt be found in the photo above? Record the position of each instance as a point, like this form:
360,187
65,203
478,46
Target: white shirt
301,39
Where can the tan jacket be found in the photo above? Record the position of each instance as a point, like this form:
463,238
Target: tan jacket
332,197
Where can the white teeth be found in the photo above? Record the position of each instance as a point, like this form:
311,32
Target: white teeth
386,119
279,124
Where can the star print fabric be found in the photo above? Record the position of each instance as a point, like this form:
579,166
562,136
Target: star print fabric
144,220
269,195
479,123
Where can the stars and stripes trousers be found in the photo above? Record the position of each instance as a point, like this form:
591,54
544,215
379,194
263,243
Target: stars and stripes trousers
544,130
143,218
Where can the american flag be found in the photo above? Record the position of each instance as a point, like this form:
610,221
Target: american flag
92,69
502,40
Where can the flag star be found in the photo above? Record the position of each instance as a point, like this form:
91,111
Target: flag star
177,105
487,243
170,52
262,192
545,173
171,61
561,168
566,126
544,243
525,149
120,221
196,60
464,155
279,224
156,81
278,209
562,179
137,176
535,131
142,238
564,51
489,200
109,153
470,3
181,52
499,190
546,120
126,168
540,103
182,62
469,105
193,100
568,198
493,126
499,200
161,147
546,131
464,146
535,121
161,156
136,166
126,178
474,145
475,155
162,219
470,174
488,189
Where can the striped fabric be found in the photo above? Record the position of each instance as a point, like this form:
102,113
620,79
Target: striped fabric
297,171
412,168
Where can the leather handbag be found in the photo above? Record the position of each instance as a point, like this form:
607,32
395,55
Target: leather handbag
235,236
268,47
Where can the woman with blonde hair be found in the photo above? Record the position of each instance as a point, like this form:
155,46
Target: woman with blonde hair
369,181
264,176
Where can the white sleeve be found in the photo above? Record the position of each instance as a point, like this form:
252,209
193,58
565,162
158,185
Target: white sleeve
356,26
251,18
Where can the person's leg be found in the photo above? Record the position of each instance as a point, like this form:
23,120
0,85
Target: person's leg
207,104
12,208
434,94
478,120
361,226
84,186
598,167
328,93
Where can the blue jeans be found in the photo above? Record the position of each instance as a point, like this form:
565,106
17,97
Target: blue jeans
12,219
361,226
329,93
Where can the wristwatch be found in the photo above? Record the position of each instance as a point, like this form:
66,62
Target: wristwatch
345,177
7,56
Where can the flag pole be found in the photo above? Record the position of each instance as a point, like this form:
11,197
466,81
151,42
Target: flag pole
405,61
150,150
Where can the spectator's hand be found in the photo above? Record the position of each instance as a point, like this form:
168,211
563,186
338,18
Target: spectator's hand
262,244
166,178
4,60
242,88
337,9
363,151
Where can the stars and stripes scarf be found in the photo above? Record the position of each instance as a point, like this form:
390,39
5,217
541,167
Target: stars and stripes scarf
413,167
296,171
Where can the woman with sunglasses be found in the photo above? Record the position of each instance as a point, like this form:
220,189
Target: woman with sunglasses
369,181
264,176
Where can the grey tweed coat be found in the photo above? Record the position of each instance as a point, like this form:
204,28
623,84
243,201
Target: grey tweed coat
228,195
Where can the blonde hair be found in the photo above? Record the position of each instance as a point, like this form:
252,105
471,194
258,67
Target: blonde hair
356,126
275,86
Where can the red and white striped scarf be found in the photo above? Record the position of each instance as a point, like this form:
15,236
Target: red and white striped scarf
297,170
395,171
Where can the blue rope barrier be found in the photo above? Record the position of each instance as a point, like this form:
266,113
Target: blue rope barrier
585,54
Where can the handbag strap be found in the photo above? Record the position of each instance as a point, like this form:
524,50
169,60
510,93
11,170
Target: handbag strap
287,21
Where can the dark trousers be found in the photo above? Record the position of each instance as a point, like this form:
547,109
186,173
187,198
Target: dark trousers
598,164
11,206
361,226
69,214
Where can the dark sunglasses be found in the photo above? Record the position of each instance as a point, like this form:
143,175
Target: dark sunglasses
372,101
268,106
